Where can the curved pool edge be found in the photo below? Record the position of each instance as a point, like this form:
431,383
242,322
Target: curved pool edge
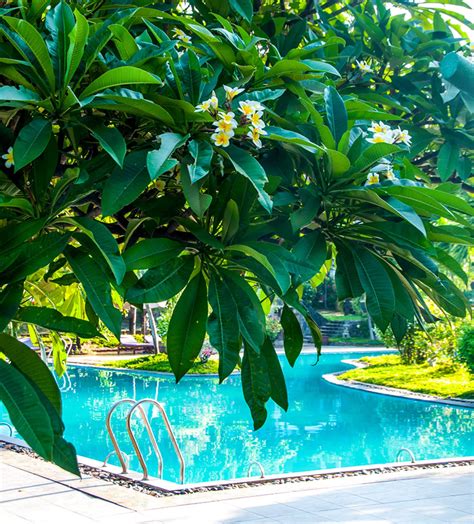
174,488
332,378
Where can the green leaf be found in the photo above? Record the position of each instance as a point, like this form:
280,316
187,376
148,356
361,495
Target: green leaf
310,252
447,160
32,367
339,163
31,142
97,287
230,221
124,75
36,45
198,202
77,42
52,319
59,354
278,391
222,326
371,155
255,385
10,298
335,112
106,243
32,399
202,152
380,298
60,21
347,281
243,7
151,252
245,164
189,73
291,137
163,282
125,185
26,410
292,334
111,140
156,160
187,327
251,319
35,255
17,94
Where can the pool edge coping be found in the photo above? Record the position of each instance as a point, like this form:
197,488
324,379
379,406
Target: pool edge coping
332,378
174,488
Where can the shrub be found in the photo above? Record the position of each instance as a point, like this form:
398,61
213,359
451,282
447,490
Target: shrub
466,347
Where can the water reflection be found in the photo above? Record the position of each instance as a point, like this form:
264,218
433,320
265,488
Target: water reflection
326,426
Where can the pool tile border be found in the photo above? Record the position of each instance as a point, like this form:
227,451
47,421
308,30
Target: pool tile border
166,488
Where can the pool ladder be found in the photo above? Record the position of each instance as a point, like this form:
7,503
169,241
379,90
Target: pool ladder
409,452
123,458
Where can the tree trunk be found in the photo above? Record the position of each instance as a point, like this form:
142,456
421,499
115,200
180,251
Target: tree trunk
132,320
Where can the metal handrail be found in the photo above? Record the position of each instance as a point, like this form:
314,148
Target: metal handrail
9,426
152,438
260,467
127,458
146,423
406,450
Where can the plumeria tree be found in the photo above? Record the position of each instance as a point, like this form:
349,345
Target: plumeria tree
224,153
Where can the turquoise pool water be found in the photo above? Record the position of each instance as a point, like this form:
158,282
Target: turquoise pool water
326,426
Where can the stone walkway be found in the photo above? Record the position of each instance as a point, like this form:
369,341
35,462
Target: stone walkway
34,491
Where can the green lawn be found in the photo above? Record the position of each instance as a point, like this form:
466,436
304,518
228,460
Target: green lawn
340,317
355,341
444,380
160,363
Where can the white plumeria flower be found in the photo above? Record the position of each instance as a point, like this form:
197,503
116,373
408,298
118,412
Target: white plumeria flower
379,127
8,157
224,127
232,92
402,136
382,138
372,178
389,174
247,107
221,139
254,134
214,101
257,106
471,47
228,118
364,67
256,120
203,106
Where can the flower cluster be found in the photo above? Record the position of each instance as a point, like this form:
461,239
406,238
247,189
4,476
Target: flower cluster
364,67
8,157
384,134
374,178
182,36
225,120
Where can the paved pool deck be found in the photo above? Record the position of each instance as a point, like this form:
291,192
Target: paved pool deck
97,359
35,491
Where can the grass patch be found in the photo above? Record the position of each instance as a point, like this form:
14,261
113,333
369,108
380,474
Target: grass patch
160,363
355,341
446,380
340,317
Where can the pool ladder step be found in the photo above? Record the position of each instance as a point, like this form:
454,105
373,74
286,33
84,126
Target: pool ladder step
123,458
409,452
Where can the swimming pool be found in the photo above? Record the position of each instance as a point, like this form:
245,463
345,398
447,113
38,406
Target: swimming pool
326,426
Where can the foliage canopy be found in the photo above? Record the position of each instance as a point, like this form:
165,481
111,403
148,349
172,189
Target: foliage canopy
227,151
